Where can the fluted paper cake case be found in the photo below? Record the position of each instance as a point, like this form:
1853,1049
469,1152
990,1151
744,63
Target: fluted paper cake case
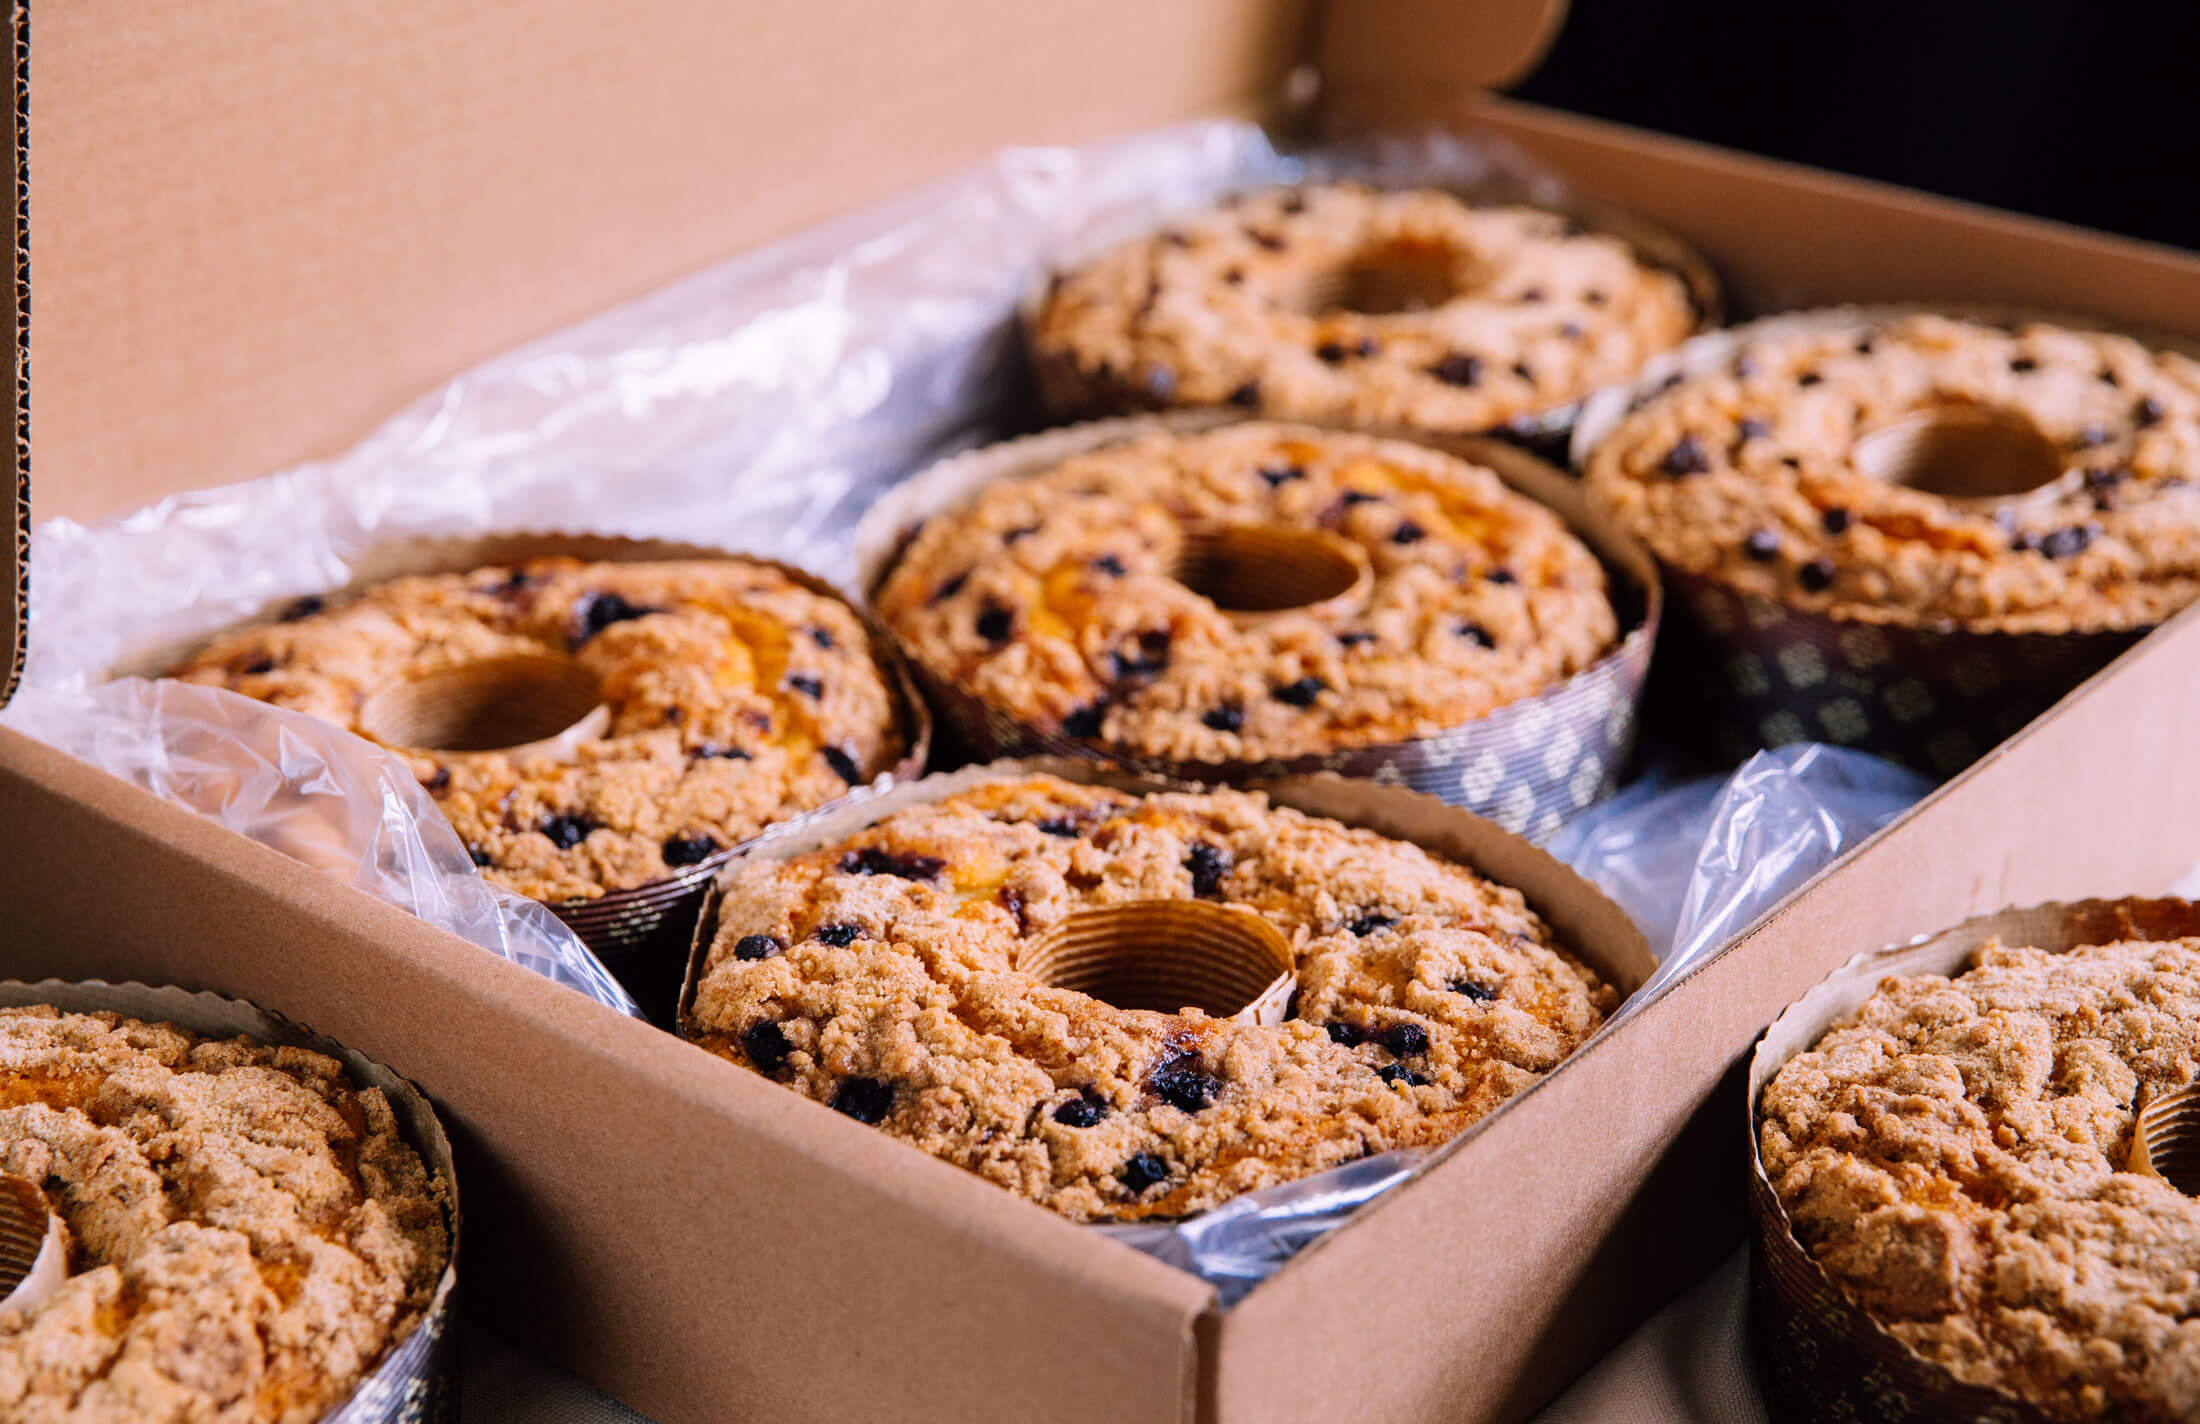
1528,765
641,934
414,1382
1820,1357
1758,672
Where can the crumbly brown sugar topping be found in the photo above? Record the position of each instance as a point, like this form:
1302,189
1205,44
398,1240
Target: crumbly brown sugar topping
736,696
881,976
1953,1154
1344,303
248,1232
1927,470
1064,600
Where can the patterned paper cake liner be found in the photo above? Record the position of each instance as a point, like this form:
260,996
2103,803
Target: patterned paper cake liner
1936,699
1069,393
641,933
1527,765
1764,673
415,1382
1820,1357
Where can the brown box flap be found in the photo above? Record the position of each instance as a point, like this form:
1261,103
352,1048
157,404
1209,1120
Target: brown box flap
264,227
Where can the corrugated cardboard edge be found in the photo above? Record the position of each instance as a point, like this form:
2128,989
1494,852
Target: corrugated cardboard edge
15,608
427,1353
1637,595
1589,925
1788,1289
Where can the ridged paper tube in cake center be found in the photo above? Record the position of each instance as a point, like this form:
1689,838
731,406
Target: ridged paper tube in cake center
2165,1141
520,705
1973,453
1254,572
33,1247
1169,955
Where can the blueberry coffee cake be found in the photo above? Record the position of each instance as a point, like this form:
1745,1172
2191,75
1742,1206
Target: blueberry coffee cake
248,1234
1356,305
1925,471
1954,1153
702,701
882,975
1252,591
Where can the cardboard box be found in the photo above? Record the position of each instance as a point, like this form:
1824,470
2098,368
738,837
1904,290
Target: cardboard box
259,226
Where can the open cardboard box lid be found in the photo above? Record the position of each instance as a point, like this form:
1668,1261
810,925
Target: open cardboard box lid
261,228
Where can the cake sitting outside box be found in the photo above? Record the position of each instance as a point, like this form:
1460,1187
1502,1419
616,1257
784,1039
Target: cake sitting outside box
1956,1154
247,1232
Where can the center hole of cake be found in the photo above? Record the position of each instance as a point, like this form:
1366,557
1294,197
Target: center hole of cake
494,705
1382,279
2167,1138
26,1223
1168,956
1972,452
1269,568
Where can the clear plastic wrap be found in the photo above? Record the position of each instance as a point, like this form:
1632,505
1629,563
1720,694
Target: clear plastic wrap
314,792
1241,1243
1695,862
759,406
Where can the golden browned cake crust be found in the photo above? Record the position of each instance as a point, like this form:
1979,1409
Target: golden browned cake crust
1056,601
1952,1154
1343,303
248,1232
1750,474
737,698
880,975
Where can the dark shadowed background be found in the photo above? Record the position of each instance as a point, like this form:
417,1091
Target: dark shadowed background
2075,109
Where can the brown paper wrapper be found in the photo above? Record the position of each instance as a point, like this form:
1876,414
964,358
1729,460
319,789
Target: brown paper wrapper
415,1382
641,934
1590,925
1761,673
1936,699
1070,393
1821,1358
33,1245
1528,765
